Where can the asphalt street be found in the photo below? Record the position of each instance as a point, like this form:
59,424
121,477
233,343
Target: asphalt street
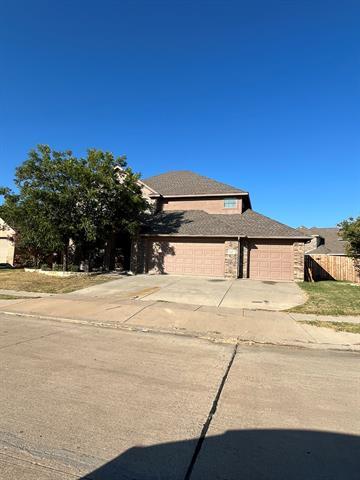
85,402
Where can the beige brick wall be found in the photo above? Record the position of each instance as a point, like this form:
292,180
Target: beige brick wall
314,243
244,252
209,205
231,258
299,268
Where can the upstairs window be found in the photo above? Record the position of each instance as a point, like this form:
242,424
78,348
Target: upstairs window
230,203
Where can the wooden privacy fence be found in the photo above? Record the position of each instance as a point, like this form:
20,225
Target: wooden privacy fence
331,267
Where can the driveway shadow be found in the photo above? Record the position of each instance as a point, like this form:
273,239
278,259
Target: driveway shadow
242,454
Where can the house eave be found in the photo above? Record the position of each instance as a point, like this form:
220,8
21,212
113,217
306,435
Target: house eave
326,254
187,235
199,195
222,236
278,237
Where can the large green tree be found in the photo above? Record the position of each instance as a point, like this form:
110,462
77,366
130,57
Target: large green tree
63,200
350,232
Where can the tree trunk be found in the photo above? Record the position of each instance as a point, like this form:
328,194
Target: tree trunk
109,252
65,258
86,265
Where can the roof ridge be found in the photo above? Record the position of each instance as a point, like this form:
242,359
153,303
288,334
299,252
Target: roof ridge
188,182
169,171
317,228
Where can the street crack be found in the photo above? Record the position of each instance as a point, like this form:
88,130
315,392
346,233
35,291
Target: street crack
210,416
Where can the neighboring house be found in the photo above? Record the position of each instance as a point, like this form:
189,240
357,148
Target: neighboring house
325,256
205,227
7,244
324,241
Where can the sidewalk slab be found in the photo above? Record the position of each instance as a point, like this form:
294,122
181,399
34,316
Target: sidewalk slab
248,326
328,336
217,324
77,309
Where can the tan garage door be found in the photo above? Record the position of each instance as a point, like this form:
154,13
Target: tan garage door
271,261
186,257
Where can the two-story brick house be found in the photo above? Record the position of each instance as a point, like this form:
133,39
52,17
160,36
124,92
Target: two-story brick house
205,227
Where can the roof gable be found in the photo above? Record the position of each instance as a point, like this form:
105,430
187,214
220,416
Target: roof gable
187,183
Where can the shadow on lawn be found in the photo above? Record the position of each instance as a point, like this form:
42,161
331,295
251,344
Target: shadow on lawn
242,454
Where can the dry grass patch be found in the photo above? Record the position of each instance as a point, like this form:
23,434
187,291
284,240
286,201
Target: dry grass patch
36,282
330,298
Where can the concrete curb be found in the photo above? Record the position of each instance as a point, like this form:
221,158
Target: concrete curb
25,294
324,318
207,336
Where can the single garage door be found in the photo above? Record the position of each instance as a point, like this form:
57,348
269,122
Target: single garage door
186,257
271,261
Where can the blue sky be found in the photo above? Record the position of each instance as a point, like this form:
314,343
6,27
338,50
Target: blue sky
263,95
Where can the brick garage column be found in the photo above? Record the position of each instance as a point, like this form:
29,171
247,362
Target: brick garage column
299,259
244,258
231,258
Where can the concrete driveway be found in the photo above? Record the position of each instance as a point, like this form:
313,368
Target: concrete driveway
81,402
216,292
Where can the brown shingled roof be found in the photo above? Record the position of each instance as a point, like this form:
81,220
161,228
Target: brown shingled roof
185,182
187,222
200,223
254,224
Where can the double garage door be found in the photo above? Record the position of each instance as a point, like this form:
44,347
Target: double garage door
268,260
271,261
186,257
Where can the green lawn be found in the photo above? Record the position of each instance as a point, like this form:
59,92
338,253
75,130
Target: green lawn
330,298
36,282
338,326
